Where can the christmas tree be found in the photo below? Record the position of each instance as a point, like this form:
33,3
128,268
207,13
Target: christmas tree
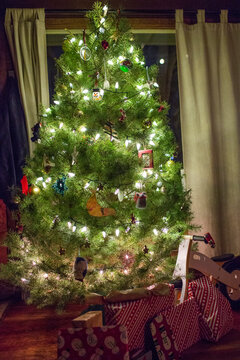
103,203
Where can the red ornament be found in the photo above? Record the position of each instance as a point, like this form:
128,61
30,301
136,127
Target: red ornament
24,183
161,108
105,44
147,158
123,115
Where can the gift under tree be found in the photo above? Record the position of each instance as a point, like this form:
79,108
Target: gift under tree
102,202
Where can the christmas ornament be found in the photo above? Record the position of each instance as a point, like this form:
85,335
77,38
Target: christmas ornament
161,108
133,219
105,44
106,84
80,268
141,200
125,65
145,249
24,183
94,209
35,129
62,251
34,189
96,96
123,115
147,158
60,186
47,164
120,195
108,129
85,52
147,123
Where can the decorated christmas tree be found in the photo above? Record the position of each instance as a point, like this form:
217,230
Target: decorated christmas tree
102,203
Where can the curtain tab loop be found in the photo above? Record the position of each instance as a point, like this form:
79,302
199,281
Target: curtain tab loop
224,16
201,16
179,16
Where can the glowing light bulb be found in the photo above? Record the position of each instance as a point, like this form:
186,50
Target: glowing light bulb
105,10
102,20
23,279
79,72
69,224
71,85
44,185
155,231
116,85
84,229
60,125
104,234
110,62
151,142
80,42
144,174
83,129
116,192
56,102
137,59
71,175
155,84
117,232
74,228
101,272
39,179
152,135
131,50
139,87
125,271
34,263
86,186
142,93
121,58
155,123
101,30
138,146
162,61
97,136
165,230
126,143
85,91
48,110
45,276
126,256
85,98
73,39
138,185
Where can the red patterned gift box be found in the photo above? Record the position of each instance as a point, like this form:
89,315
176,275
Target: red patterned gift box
135,315
176,329
100,343
216,318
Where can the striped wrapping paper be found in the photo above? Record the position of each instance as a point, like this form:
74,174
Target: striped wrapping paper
135,315
216,318
176,329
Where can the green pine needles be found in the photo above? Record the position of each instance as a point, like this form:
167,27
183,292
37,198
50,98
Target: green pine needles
103,183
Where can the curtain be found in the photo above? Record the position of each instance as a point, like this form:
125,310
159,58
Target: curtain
25,29
209,83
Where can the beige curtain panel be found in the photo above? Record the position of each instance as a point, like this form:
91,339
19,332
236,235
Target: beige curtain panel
25,29
209,82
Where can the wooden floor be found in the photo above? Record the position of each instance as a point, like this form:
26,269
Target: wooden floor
27,333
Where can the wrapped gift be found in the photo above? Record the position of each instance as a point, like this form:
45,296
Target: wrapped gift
176,329
106,342
216,317
3,217
135,315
